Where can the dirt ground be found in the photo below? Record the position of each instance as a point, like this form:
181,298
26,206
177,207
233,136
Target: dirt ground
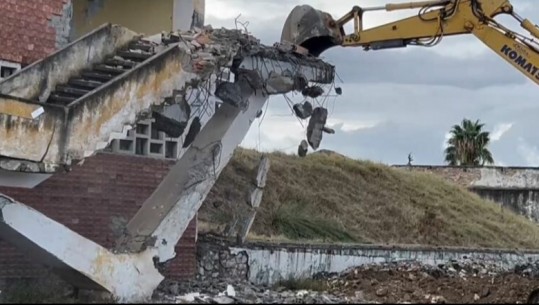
391,285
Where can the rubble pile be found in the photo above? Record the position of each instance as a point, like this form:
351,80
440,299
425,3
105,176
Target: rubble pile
240,292
455,282
465,281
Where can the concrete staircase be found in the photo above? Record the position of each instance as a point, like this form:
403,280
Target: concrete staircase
125,59
76,101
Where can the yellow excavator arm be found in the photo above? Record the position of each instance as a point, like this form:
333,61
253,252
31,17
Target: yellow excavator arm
317,31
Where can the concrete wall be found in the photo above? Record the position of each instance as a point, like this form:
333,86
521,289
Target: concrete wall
485,177
30,30
142,16
266,264
95,200
188,14
514,188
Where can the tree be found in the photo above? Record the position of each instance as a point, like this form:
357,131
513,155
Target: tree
468,145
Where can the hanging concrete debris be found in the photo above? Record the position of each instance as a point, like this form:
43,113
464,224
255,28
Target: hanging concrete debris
172,127
173,116
303,110
278,84
303,148
73,123
237,93
260,183
316,127
254,199
193,132
313,91
328,130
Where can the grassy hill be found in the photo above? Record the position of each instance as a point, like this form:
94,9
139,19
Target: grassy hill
327,197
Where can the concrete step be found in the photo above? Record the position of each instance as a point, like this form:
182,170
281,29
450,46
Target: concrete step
141,45
116,61
71,91
60,99
136,56
83,83
97,76
103,68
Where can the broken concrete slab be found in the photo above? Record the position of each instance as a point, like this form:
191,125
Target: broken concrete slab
237,93
312,91
316,126
303,148
173,117
171,127
85,264
262,173
255,198
328,130
303,110
277,84
194,129
246,225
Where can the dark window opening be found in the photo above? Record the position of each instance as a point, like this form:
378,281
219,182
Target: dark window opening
126,145
142,129
140,148
171,150
156,148
7,71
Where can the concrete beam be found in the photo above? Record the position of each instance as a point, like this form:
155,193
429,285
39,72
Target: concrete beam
77,259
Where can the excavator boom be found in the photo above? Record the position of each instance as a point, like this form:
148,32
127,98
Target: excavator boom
318,31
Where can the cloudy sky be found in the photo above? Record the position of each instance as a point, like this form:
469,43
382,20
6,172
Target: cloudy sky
400,101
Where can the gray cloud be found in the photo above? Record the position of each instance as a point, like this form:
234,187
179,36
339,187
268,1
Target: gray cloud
424,67
413,95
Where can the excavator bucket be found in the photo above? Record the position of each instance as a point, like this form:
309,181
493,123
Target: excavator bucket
312,29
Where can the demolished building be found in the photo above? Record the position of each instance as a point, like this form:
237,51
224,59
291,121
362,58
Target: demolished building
205,87
94,199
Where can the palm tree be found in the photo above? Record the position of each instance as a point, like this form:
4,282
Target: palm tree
468,145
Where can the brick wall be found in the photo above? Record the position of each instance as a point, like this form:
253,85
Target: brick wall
90,199
32,29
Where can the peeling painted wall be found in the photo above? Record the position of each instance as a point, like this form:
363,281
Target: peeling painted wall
513,188
484,177
62,24
188,14
143,16
268,264
40,134
523,202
